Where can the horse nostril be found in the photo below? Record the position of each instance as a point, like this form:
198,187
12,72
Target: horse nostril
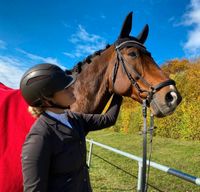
171,98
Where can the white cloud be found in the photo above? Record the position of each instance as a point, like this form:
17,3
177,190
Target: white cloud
70,55
13,67
171,19
2,44
83,35
103,16
66,25
192,18
85,43
11,70
39,58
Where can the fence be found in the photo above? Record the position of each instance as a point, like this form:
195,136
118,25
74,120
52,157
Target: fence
171,171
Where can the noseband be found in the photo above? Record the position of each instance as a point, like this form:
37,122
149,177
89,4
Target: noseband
121,60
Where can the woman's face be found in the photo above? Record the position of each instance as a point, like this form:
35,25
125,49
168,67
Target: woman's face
65,97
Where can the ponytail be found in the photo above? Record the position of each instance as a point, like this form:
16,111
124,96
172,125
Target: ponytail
36,111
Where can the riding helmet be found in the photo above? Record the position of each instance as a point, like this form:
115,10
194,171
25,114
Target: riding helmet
42,81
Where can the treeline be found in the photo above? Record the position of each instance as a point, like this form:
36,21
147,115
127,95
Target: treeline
184,123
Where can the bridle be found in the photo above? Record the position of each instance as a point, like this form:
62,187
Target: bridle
134,81
150,92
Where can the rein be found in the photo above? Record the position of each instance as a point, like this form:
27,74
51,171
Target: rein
150,92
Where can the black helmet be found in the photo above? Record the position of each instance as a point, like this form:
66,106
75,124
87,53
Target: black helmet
42,81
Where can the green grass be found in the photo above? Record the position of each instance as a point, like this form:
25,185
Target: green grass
177,154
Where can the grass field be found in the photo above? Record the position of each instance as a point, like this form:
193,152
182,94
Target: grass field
181,155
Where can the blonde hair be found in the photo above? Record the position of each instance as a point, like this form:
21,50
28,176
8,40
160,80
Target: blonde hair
36,111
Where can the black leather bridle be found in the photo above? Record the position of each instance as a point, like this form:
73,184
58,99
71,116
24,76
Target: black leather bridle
152,90
134,81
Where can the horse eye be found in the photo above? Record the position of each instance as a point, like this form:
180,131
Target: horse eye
132,54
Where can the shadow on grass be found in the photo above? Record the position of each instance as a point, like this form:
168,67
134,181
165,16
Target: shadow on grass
113,189
126,172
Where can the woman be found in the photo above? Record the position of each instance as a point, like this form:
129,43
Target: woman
54,153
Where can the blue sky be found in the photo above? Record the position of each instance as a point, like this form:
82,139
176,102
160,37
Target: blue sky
64,32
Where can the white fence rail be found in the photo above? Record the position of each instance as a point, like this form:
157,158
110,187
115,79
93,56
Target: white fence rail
171,171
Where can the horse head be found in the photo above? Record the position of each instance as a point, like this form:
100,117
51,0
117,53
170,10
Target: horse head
126,68
135,74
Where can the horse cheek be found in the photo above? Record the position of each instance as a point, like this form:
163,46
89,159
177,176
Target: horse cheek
122,86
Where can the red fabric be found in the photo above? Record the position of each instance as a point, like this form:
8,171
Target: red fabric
15,122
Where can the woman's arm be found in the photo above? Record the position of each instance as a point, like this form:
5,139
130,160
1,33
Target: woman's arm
35,163
99,121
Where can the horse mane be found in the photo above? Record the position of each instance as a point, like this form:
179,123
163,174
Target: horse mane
78,67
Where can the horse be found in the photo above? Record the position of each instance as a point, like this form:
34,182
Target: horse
126,67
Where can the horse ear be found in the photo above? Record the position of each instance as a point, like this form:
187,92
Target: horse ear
126,27
143,35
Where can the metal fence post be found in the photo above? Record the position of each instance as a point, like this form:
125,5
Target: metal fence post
139,184
90,153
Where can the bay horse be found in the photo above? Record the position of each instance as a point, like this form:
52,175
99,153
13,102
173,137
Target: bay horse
125,68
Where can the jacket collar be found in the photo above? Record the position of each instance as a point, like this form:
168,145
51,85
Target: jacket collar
48,119
59,125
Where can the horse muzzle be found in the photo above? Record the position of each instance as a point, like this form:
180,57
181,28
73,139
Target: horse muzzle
164,104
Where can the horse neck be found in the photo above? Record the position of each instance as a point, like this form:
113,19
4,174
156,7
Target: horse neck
91,87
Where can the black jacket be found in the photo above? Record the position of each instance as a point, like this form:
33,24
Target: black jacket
54,155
